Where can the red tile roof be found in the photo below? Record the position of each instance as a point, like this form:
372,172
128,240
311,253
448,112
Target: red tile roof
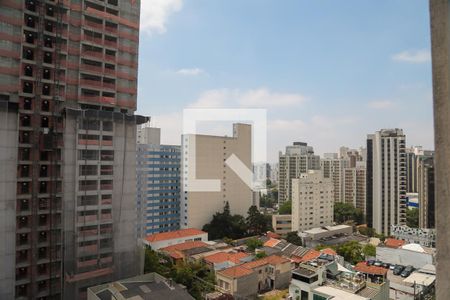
184,246
271,243
364,268
329,251
236,272
273,260
310,255
393,243
221,257
173,234
273,235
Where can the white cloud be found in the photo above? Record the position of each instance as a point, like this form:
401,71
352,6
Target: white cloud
154,14
190,72
414,57
257,98
381,104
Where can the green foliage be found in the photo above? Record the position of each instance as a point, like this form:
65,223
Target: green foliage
412,218
292,237
369,250
197,278
256,222
351,251
367,231
253,243
224,224
285,208
155,262
344,212
260,255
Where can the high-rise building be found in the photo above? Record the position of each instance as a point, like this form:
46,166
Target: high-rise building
312,201
334,168
386,180
158,183
298,159
67,142
207,181
355,186
411,170
425,187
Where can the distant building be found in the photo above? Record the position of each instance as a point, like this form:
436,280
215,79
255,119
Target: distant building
147,286
158,183
386,180
298,159
408,254
412,200
204,158
354,186
333,168
165,239
314,236
282,224
312,201
425,189
423,236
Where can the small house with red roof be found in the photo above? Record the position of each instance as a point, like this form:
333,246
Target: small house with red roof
393,243
164,239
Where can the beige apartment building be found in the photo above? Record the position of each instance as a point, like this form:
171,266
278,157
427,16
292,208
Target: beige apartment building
207,181
312,201
282,224
333,168
354,183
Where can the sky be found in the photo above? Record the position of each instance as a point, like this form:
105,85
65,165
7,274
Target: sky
327,72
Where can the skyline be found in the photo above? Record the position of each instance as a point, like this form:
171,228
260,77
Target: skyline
228,54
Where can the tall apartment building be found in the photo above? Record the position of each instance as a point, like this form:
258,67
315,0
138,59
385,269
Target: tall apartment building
354,183
298,159
386,180
204,158
425,187
67,141
158,183
312,201
333,168
411,170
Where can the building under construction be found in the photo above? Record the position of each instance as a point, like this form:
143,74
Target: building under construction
68,85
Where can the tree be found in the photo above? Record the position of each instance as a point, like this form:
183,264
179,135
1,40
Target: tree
253,243
344,212
224,225
155,262
351,251
256,222
197,278
285,208
367,231
293,238
369,250
260,255
412,218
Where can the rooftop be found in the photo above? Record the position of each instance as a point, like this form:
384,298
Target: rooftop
234,257
338,293
393,243
151,286
272,242
420,278
364,268
236,272
182,233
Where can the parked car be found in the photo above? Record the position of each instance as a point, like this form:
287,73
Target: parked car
392,267
398,269
407,271
386,265
378,263
370,262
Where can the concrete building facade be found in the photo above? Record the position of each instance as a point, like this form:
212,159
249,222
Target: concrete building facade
354,183
158,183
204,158
282,224
312,201
334,168
425,189
67,99
386,180
298,159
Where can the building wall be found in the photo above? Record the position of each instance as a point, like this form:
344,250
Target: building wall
282,224
312,201
388,179
334,169
355,187
8,184
208,162
426,192
162,244
404,257
158,188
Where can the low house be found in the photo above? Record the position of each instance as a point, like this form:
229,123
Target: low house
393,243
222,260
246,280
180,252
165,239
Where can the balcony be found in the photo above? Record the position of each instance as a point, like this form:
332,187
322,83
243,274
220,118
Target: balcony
87,263
87,219
98,99
88,249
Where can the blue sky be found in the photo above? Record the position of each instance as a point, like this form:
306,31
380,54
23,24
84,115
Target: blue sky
328,72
